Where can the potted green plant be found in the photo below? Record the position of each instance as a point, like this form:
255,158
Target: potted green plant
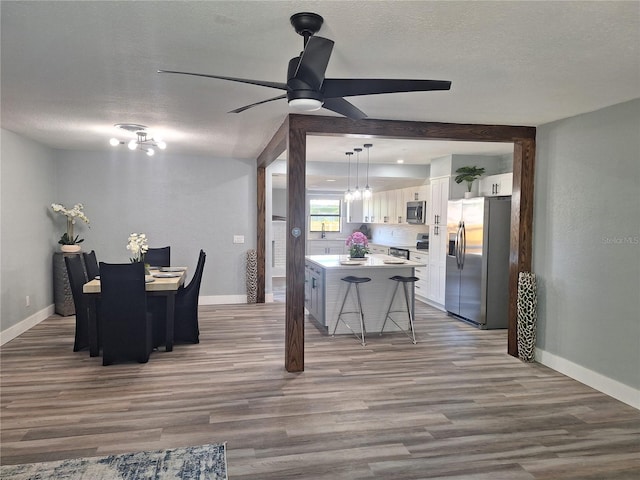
469,175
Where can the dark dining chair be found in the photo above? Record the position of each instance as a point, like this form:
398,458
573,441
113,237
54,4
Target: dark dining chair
158,257
126,326
77,279
91,264
186,327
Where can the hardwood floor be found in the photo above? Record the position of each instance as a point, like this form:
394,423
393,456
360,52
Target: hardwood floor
454,406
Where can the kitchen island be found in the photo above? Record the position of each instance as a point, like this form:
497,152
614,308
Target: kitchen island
324,290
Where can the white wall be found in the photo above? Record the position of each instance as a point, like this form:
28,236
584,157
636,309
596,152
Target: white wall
28,188
586,250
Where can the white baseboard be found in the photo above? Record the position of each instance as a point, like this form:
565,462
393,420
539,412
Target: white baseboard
606,385
24,325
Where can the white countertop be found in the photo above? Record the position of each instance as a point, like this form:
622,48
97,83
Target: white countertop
370,261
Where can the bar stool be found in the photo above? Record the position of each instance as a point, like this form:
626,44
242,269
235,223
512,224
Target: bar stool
351,280
404,281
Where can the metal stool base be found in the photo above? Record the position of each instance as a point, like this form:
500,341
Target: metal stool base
404,281
352,281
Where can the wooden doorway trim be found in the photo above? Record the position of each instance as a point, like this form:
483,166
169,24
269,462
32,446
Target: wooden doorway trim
292,136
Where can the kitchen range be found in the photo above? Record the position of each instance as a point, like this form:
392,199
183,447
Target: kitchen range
422,243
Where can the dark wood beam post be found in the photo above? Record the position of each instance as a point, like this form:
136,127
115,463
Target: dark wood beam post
261,244
521,247
292,134
270,153
296,240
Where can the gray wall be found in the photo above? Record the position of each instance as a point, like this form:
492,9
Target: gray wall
587,240
184,201
28,181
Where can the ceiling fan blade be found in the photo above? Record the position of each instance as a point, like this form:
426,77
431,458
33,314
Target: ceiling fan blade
314,61
246,107
341,106
278,85
351,87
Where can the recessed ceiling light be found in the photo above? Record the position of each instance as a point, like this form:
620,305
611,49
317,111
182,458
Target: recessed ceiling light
331,179
400,160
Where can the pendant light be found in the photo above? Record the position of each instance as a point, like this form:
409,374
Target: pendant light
367,190
348,196
357,194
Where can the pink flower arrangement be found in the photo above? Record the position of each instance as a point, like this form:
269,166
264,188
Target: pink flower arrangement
357,243
357,238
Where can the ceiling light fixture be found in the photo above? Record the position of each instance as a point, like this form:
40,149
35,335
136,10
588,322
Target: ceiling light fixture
357,194
141,142
348,196
305,104
367,190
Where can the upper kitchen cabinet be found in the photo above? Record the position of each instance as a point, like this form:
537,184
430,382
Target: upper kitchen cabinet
418,193
356,211
493,180
496,185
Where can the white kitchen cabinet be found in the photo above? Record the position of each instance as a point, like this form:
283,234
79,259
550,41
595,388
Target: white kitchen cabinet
422,273
496,185
438,239
367,209
355,211
381,249
314,291
390,214
376,207
325,247
401,207
417,193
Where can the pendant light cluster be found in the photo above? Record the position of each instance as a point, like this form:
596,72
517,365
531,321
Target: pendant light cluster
358,194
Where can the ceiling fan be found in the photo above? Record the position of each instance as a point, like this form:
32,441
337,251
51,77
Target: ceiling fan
307,88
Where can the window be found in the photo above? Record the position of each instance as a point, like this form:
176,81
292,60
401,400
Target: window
324,211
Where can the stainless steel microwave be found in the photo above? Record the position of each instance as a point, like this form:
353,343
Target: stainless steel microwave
416,212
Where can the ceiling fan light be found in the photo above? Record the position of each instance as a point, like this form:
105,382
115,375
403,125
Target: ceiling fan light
161,145
305,104
132,145
114,142
151,152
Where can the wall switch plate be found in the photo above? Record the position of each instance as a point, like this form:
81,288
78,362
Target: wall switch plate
27,301
238,239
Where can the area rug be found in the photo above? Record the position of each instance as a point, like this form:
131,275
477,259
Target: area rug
203,462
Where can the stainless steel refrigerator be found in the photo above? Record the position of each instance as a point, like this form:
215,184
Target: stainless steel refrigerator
477,284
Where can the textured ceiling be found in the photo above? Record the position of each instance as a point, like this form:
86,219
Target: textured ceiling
71,70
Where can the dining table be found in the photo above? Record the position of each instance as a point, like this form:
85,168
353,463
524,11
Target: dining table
163,282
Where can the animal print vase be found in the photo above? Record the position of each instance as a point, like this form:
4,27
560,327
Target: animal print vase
527,316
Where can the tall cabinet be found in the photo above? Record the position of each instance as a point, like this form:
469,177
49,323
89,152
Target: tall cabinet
438,239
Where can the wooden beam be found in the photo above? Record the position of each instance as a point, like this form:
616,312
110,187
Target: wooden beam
261,243
296,242
271,152
521,244
318,125
276,145
292,134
